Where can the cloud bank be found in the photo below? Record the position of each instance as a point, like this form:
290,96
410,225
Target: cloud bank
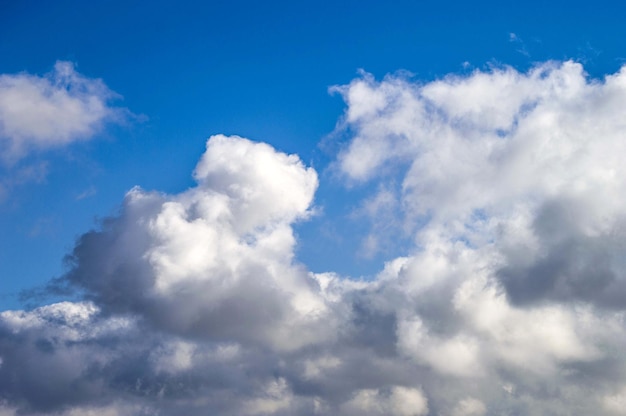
511,301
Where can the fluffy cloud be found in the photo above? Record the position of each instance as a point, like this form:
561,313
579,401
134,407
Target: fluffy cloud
50,111
510,302
216,261
528,161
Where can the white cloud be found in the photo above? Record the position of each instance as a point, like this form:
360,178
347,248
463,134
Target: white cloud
457,355
469,407
50,111
485,152
264,185
217,260
487,140
615,403
275,397
406,401
401,401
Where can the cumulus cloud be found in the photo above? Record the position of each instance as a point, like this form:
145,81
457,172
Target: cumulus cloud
530,160
216,261
509,303
41,112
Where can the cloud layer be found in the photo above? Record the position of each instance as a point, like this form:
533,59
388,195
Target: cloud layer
511,301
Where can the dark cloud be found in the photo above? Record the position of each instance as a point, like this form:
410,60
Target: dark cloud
570,264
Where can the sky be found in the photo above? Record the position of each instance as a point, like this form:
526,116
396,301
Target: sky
312,208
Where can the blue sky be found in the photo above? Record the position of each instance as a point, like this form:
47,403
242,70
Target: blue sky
400,199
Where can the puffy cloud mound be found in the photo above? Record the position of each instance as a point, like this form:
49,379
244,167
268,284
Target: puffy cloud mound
50,111
215,261
510,302
529,164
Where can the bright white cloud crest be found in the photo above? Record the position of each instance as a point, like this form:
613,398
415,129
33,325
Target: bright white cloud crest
511,302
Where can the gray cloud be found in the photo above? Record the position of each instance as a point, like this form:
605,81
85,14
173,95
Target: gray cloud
570,264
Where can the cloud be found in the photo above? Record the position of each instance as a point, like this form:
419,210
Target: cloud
216,261
509,302
61,107
399,401
528,161
514,38
34,172
469,407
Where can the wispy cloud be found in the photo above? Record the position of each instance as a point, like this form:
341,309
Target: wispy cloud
87,193
16,176
521,45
